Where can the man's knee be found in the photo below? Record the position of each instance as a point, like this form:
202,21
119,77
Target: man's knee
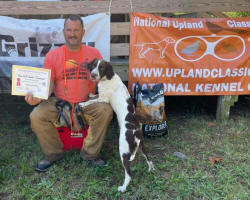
38,114
34,115
105,110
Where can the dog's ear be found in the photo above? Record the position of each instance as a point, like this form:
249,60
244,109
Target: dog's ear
109,71
91,65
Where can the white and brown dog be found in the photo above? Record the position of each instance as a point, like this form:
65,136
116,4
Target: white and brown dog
112,90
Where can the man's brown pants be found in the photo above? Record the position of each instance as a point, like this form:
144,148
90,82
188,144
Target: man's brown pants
44,116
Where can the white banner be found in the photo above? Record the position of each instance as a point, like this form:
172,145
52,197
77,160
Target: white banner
26,42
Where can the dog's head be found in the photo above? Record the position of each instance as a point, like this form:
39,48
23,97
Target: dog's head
100,69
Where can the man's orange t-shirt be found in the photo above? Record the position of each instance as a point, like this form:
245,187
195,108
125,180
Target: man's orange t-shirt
54,60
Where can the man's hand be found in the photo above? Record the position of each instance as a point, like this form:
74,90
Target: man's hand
32,100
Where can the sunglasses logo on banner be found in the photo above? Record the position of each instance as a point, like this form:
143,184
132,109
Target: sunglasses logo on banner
160,46
193,48
222,47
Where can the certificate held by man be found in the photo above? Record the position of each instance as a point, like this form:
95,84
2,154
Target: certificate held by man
30,80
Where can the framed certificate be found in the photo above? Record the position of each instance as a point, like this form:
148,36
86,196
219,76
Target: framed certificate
30,80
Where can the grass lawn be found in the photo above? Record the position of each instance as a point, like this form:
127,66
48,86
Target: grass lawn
193,131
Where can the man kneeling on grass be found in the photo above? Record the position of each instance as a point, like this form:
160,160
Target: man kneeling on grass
60,61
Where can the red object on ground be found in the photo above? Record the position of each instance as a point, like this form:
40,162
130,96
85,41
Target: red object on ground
72,140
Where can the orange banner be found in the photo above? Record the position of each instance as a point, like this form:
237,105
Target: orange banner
191,56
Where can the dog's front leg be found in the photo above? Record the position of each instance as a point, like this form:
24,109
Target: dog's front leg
91,101
86,103
93,96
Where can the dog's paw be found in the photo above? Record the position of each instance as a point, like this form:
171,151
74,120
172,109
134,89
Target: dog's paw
83,104
150,166
93,95
121,189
